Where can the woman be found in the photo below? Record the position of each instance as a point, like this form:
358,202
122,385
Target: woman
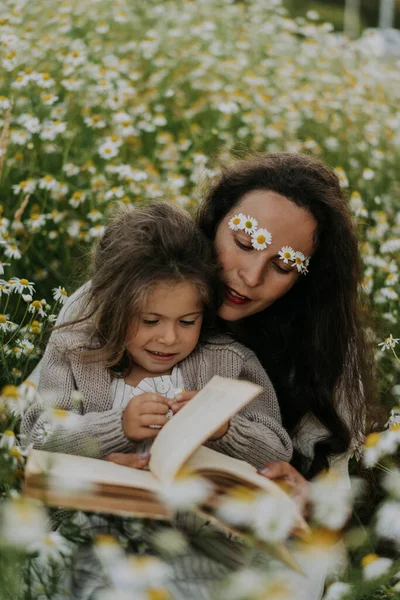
305,324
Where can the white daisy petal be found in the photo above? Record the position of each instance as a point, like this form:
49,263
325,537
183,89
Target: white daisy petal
261,238
237,222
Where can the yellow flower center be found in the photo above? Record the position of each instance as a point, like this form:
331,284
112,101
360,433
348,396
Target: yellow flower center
10,391
28,382
60,413
249,224
48,178
395,427
157,594
236,221
36,304
106,540
372,440
286,254
24,281
46,76
3,319
261,239
298,261
9,433
369,559
242,494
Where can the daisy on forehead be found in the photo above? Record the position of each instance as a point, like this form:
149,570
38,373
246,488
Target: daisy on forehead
262,238
264,243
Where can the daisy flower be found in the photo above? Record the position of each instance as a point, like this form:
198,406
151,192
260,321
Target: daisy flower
389,343
12,251
60,294
108,150
250,225
186,491
7,439
5,324
299,261
51,546
237,222
286,253
375,566
23,522
21,286
37,306
261,238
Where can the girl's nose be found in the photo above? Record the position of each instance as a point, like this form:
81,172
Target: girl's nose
167,335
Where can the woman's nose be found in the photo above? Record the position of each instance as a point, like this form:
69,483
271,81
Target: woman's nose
253,274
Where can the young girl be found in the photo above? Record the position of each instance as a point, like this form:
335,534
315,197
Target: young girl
136,334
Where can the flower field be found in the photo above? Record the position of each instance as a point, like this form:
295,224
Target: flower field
104,102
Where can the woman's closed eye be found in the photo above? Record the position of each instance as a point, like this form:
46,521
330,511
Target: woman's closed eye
187,323
282,270
243,246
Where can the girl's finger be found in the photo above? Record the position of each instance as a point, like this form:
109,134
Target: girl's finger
153,408
177,406
184,396
135,460
152,419
149,397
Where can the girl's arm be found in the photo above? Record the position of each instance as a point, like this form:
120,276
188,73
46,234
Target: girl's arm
256,434
85,429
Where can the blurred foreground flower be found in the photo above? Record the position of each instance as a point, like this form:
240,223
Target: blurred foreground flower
23,522
186,491
375,566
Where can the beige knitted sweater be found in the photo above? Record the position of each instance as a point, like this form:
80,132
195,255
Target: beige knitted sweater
255,434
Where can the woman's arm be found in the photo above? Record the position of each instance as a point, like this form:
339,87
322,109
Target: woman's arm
256,434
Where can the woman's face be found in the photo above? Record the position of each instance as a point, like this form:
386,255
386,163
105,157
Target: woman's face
254,279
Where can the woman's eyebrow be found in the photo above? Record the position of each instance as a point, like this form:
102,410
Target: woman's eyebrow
154,314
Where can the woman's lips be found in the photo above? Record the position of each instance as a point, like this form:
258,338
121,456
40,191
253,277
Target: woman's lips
234,297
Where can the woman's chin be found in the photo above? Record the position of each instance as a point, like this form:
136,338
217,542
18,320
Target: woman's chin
232,313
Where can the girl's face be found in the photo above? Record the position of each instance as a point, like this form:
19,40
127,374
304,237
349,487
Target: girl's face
168,328
255,279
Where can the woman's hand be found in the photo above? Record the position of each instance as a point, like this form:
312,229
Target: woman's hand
220,432
292,478
143,411
135,460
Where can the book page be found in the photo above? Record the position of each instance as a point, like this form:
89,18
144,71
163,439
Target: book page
215,404
87,470
208,460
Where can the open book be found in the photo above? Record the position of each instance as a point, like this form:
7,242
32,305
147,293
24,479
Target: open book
111,488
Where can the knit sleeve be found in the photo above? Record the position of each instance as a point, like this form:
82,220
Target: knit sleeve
95,434
256,434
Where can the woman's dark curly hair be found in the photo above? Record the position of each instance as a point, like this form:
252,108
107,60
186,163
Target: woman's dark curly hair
312,341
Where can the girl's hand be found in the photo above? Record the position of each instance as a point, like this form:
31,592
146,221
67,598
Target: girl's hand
292,478
143,411
181,399
134,460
